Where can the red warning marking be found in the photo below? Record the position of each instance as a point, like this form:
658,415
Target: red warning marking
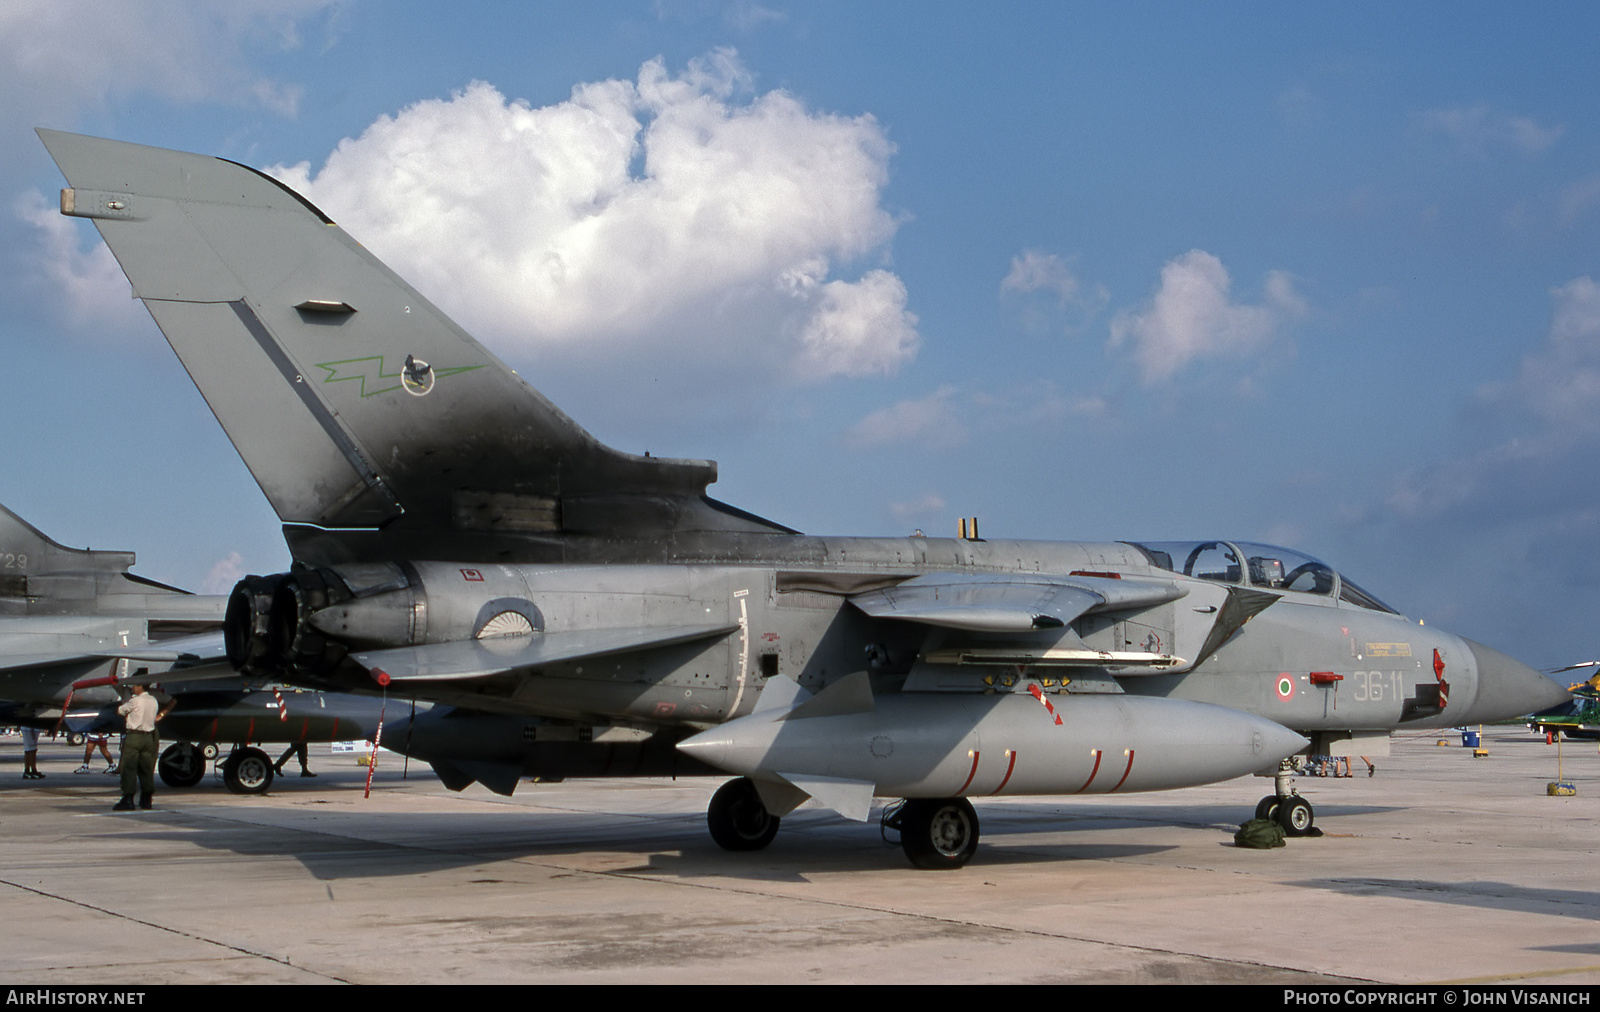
1096,753
1039,695
970,774
472,575
1124,773
380,676
283,709
372,760
1009,768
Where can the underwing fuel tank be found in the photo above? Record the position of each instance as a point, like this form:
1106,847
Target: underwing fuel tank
937,745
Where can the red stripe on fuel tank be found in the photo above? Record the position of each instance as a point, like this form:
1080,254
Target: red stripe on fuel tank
1009,768
1097,753
1124,772
970,774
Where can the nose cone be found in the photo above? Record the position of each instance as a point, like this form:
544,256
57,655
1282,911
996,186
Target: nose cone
737,746
1509,688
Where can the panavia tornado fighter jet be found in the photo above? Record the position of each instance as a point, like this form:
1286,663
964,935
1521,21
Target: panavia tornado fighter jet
458,538
70,614
77,628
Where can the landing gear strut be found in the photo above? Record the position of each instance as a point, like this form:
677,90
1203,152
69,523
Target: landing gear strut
1285,807
737,818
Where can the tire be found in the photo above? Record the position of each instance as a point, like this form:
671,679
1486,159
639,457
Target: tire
1267,808
738,820
1296,817
181,765
247,771
939,834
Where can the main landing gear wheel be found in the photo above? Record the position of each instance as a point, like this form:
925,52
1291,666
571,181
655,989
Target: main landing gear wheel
939,834
247,771
1267,808
737,818
181,765
1295,816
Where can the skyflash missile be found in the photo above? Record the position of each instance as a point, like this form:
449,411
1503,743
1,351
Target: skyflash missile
843,746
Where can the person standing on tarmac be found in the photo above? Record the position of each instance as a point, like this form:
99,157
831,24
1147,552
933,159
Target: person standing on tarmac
138,763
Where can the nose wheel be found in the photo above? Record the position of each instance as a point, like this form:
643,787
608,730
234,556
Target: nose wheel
1293,813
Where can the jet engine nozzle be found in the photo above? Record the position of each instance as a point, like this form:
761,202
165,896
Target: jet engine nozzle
245,628
292,633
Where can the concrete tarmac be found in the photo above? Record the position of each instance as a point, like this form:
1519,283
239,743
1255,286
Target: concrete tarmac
1441,868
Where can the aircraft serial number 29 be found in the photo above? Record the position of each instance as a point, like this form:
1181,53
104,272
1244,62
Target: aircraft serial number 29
1376,686
10,560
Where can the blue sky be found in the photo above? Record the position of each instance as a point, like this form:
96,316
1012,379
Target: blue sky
1313,275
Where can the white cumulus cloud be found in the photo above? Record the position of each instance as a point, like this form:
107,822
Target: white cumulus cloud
933,420
1560,382
1047,292
85,284
679,211
1192,316
224,573
1476,129
58,55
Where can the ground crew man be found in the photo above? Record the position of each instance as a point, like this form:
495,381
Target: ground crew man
138,762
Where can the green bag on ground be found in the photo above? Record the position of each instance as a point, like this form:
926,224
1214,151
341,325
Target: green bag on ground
1260,834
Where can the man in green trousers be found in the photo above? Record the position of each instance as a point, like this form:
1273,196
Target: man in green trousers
138,762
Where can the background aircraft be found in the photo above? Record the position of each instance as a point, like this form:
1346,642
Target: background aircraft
75,625
457,534
1578,717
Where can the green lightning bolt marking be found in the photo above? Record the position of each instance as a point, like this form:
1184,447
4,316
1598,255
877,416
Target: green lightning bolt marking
361,370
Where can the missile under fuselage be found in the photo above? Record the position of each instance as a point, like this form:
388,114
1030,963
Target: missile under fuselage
936,745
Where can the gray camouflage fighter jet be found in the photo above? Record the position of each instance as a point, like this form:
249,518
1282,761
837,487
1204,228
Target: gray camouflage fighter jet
456,534
69,614
75,628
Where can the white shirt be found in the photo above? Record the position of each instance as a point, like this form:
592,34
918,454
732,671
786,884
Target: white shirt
141,712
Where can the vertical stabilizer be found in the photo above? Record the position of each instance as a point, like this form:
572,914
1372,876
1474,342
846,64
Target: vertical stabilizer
354,401
40,577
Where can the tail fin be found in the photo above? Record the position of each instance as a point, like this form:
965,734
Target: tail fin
41,577
353,400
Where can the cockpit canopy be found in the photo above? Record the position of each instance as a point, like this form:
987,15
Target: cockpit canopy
1254,565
